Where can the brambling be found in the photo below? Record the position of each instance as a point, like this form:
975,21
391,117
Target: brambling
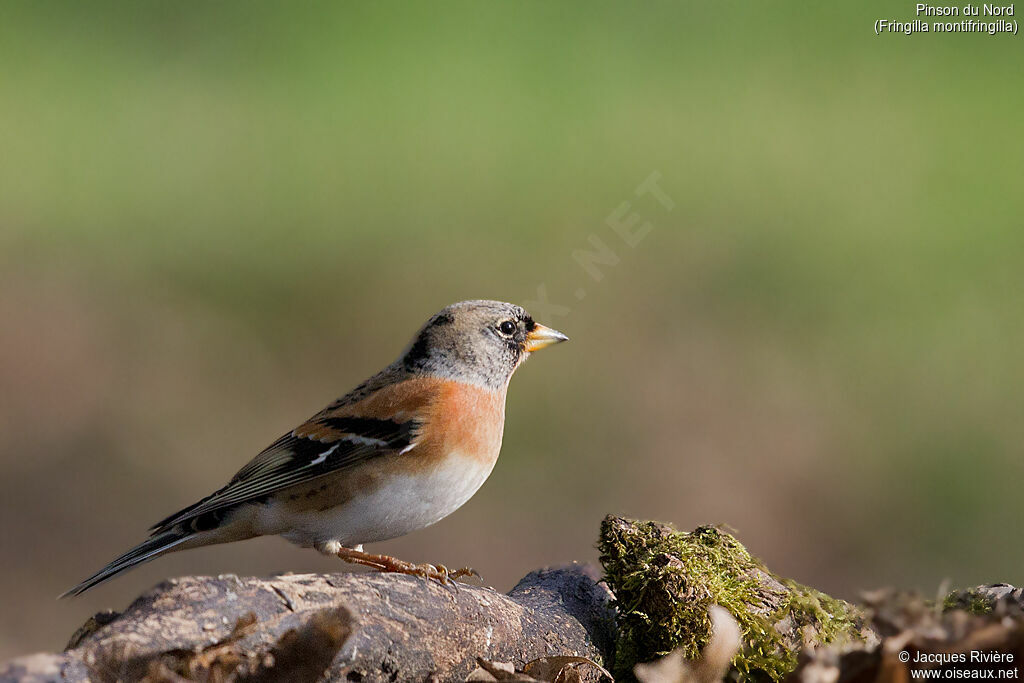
401,451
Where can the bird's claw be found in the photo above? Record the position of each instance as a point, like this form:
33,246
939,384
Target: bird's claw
440,573
384,563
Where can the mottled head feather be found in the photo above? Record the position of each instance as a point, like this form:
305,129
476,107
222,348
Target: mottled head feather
467,342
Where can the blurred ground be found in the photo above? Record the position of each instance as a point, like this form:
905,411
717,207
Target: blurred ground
215,219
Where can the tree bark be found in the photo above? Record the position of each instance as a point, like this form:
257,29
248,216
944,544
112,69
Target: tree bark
353,627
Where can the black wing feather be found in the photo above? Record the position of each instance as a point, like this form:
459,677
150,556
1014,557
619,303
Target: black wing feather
293,460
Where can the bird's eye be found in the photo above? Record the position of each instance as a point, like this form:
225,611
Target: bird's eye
507,327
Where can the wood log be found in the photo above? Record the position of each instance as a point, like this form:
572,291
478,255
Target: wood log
351,627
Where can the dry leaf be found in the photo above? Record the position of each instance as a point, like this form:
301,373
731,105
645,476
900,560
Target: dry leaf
671,668
540,670
498,671
557,669
714,661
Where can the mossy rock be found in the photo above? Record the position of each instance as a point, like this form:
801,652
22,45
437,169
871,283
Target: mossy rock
665,580
971,600
994,597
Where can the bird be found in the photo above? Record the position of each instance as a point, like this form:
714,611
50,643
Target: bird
401,451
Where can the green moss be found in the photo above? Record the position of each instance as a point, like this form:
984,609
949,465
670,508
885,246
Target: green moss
969,600
831,619
665,580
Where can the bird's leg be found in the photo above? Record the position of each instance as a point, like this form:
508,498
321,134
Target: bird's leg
386,563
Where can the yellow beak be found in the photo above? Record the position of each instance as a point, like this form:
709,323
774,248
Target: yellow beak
542,336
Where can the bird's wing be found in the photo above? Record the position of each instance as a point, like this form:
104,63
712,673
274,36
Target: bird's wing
352,430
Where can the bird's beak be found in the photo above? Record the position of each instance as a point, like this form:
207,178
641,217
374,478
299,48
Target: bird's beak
541,336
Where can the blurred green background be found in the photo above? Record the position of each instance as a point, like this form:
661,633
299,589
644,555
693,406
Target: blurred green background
214,218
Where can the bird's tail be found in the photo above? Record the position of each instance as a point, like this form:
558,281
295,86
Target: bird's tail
153,547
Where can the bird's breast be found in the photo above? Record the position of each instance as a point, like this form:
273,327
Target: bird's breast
452,455
461,418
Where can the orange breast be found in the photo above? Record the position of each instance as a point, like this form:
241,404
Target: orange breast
455,417
464,418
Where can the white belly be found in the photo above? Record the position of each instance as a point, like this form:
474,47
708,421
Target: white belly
406,503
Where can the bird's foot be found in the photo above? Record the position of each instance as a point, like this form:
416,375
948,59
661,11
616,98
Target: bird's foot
386,563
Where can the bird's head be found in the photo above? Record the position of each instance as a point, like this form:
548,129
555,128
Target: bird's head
479,341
